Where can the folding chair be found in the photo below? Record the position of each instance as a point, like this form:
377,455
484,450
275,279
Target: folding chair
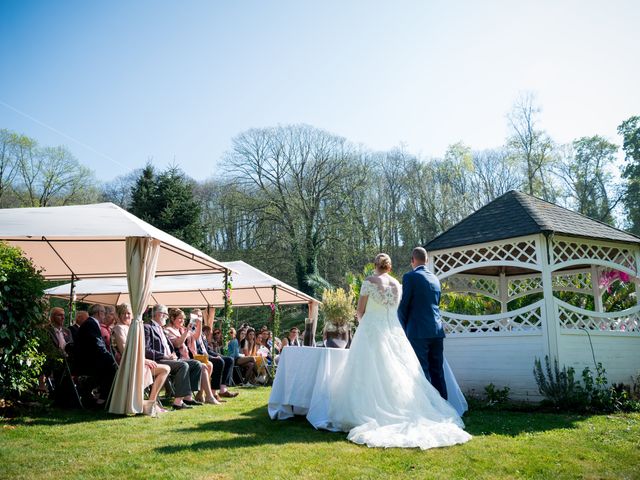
237,377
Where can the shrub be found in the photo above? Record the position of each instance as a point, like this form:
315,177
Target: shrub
21,312
496,396
595,395
559,387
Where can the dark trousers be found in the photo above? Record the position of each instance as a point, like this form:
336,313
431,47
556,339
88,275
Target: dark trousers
195,370
222,371
430,353
183,376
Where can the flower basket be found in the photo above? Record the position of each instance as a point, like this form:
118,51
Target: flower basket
338,312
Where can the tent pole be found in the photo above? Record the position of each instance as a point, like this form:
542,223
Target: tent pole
72,298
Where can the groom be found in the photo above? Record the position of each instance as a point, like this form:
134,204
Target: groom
419,315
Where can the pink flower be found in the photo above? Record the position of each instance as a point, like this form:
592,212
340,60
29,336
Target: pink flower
273,307
609,276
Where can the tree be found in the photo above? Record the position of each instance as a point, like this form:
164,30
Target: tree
299,178
21,313
630,131
589,184
50,176
118,190
166,201
8,164
494,174
531,147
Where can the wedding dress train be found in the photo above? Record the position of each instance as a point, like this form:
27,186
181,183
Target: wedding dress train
382,397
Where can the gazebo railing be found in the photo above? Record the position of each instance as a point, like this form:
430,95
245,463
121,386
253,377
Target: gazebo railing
526,320
574,318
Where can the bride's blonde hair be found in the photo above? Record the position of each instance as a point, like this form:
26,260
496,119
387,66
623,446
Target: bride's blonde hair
383,262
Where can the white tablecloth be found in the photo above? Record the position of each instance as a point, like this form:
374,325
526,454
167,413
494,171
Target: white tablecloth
304,374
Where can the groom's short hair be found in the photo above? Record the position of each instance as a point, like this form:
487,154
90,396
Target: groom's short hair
419,254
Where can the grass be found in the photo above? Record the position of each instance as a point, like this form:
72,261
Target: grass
238,440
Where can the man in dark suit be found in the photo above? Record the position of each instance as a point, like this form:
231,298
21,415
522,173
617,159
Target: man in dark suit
81,316
93,355
157,347
419,314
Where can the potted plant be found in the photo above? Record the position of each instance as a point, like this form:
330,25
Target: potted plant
338,312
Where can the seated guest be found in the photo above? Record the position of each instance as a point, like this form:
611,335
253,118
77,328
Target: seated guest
93,356
246,364
233,347
81,316
273,341
60,335
107,323
155,374
186,376
183,341
293,339
223,365
61,340
250,348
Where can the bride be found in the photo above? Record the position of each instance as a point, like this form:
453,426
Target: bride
382,397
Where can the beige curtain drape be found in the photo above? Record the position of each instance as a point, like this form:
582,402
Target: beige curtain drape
127,395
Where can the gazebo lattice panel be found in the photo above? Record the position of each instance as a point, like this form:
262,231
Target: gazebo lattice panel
463,283
527,320
567,250
524,252
573,319
580,282
522,286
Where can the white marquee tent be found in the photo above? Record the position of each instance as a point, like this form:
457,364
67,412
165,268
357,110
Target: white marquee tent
103,240
251,287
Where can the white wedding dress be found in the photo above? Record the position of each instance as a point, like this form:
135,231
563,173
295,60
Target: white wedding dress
382,397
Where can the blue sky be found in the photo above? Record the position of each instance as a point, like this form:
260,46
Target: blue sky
120,82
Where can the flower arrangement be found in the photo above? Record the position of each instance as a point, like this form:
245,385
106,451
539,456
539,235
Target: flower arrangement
338,309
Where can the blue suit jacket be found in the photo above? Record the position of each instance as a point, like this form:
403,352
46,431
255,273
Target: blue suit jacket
418,311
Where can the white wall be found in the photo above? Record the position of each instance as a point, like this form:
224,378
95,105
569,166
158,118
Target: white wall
618,352
502,360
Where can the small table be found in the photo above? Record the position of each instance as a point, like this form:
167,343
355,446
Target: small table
304,375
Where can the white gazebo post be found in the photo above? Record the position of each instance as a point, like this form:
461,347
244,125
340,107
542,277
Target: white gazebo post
503,289
550,325
595,289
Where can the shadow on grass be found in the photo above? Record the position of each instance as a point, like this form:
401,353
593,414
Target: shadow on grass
56,416
487,422
254,428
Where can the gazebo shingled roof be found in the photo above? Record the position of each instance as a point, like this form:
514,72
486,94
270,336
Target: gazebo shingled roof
517,214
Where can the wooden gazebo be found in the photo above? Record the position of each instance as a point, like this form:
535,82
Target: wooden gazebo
520,245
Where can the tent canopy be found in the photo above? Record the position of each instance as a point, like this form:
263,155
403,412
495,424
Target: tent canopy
88,241
251,287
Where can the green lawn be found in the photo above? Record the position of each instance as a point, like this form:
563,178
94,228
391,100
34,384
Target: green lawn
238,440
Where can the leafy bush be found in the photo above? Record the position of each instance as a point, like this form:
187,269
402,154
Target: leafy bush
496,396
21,312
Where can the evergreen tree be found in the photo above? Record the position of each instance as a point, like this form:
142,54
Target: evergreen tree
142,196
166,201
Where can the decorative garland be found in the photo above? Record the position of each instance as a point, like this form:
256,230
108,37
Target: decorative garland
275,316
227,289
